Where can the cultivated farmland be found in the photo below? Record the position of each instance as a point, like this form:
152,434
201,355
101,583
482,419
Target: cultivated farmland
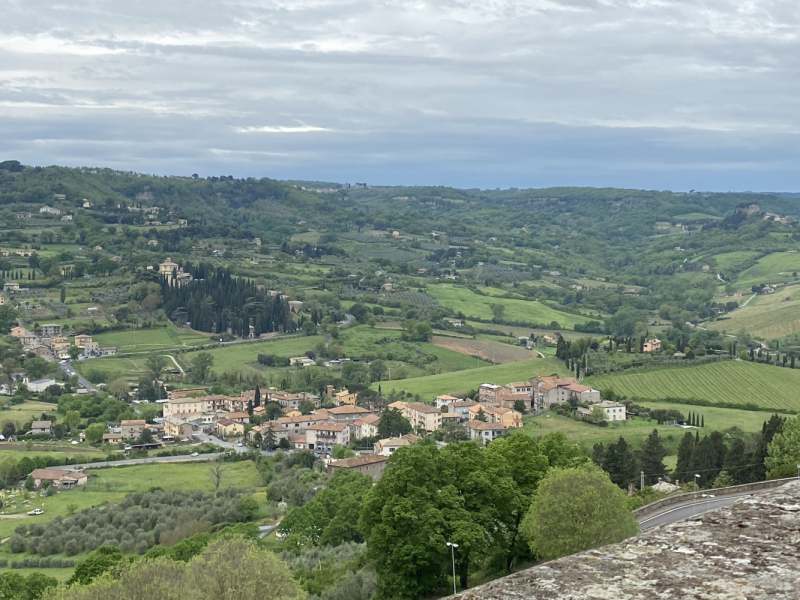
470,304
738,382
151,339
491,351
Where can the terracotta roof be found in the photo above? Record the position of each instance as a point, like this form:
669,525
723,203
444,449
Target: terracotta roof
41,425
370,419
423,408
328,427
359,461
348,409
463,404
226,422
481,426
577,387
238,415
133,422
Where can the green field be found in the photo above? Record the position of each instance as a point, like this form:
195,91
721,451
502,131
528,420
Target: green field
766,317
737,381
634,430
27,411
729,260
151,339
461,382
107,486
695,216
465,301
772,268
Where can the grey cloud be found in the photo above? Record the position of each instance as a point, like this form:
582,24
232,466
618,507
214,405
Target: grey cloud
480,93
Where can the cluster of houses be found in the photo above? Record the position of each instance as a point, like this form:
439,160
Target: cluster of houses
50,342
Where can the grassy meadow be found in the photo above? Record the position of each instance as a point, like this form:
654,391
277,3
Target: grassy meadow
772,268
739,382
151,339
765,317
472,305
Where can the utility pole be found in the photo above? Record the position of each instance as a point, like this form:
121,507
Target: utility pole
453,554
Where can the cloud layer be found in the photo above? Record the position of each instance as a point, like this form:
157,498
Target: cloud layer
493,93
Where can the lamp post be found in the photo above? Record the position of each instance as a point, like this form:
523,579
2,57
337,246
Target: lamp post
453,554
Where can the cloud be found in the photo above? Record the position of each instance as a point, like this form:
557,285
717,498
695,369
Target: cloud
280,129
488,93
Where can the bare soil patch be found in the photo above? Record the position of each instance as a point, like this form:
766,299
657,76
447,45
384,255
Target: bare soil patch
491,351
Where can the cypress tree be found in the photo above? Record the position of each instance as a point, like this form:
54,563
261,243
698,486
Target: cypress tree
702,421
652,456
684,464
257,397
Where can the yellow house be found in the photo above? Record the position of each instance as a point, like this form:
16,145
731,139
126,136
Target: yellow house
344,397
227,428
653,345
501,416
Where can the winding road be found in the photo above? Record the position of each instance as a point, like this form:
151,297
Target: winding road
692,507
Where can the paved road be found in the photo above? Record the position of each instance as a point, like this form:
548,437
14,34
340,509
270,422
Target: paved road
142,461
679,512
67,368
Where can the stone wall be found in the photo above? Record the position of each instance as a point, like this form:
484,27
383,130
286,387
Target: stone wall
747,551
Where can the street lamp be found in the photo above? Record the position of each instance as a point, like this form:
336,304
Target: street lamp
453,554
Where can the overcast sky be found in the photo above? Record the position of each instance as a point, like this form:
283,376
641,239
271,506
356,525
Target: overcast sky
656,94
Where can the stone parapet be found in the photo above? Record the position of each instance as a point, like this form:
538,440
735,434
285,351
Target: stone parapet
747,551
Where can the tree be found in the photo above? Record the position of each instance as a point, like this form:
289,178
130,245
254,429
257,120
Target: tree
228,568
119,388
377,370
784,449
201,365
309,328
103,560
683,468
340,452
768,431
62,295
522,459
257,397
331,518
30,484
146,437
74,352
94,433
155,363
598,414
9,475
520,406
424,499
392,424
8,318
72,418
215,473
481,416
577,509
651,457
620,463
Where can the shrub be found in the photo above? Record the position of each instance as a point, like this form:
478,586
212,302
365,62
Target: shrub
17,544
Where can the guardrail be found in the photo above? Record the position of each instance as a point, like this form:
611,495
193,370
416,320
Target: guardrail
725,491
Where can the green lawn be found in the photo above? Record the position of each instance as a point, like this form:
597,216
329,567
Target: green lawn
772,268
61,574
766,317
460,299
461,382
236,357
739,382
151,339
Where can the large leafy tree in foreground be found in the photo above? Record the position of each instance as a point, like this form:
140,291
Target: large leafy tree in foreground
577,509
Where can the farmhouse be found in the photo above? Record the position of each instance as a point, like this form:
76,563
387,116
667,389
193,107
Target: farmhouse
59,478
653,345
